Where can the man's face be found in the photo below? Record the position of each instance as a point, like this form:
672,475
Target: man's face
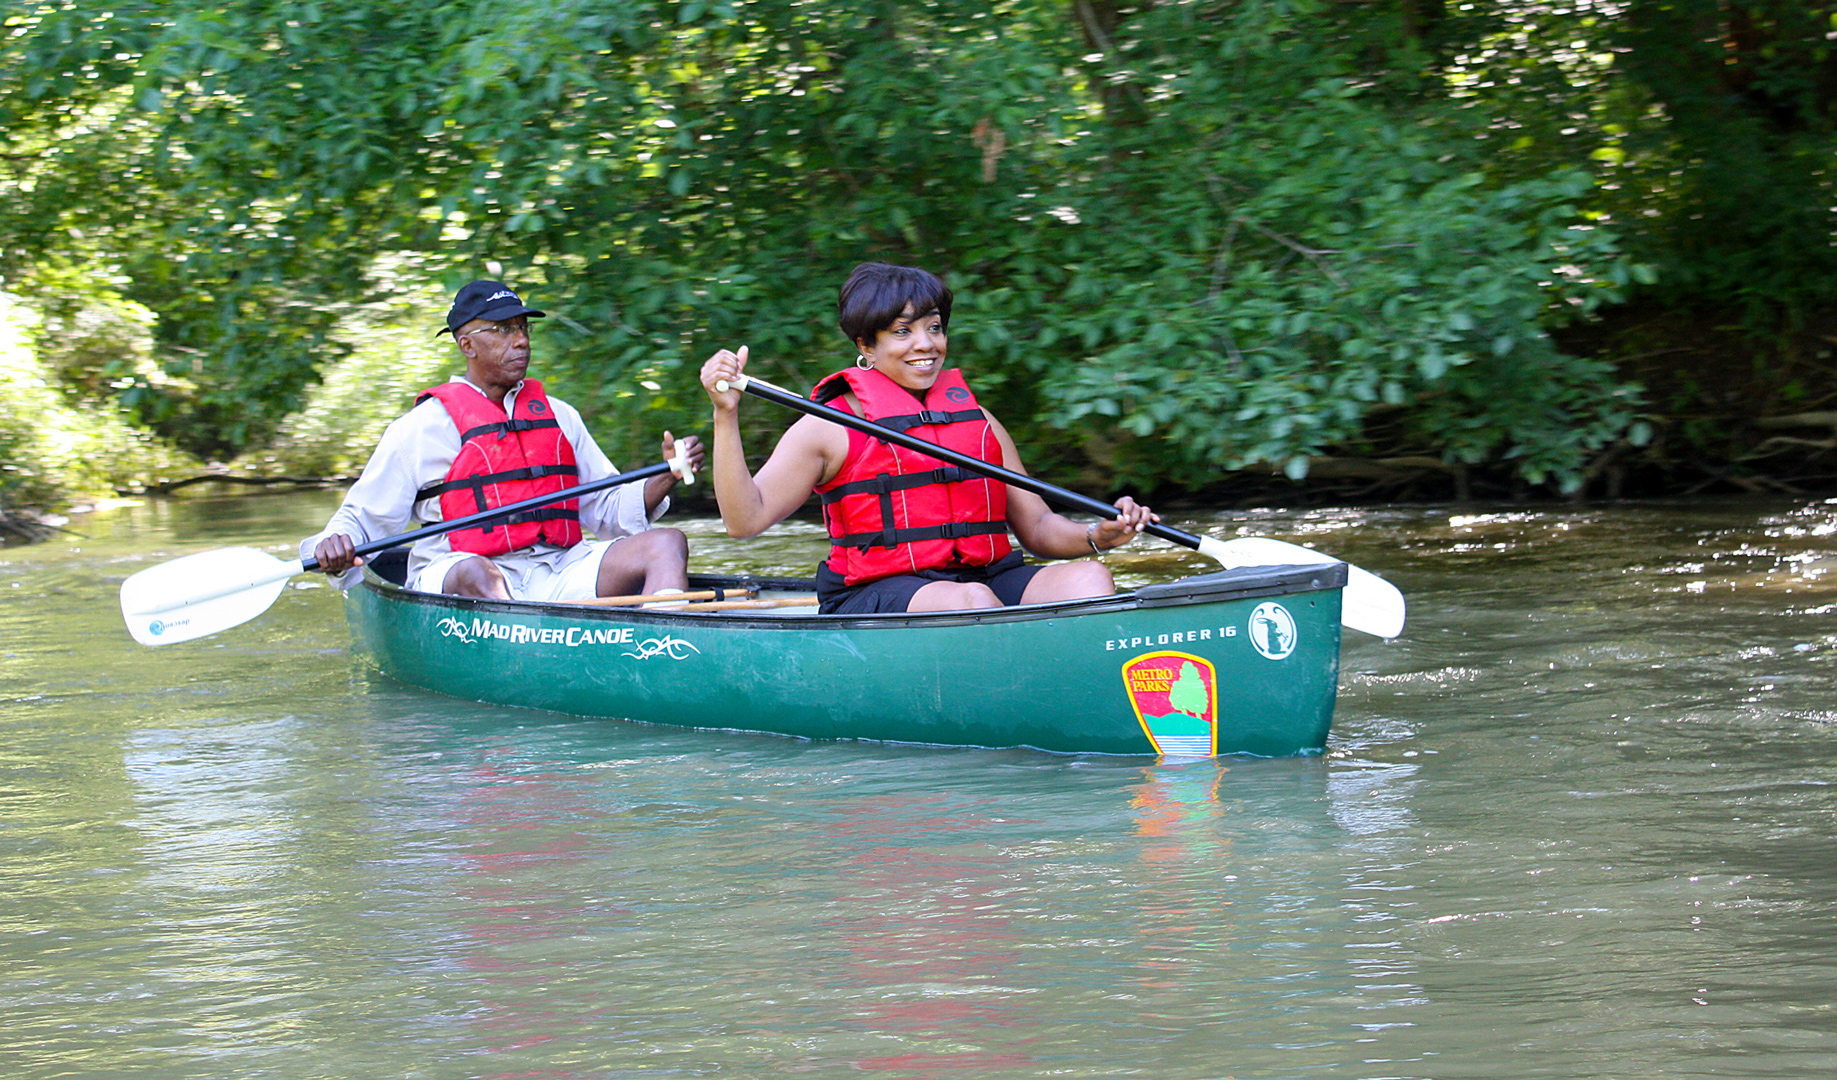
497,353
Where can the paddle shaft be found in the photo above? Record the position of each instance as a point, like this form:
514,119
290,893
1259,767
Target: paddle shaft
498,512
1050,492
1369,603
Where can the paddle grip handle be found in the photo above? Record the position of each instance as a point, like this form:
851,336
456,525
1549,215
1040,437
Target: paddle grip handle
679,464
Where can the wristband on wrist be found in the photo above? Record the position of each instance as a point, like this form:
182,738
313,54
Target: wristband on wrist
1090,537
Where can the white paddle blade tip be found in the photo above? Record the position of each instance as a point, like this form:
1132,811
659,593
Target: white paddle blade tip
201,620
201,594
1368,604
1371,605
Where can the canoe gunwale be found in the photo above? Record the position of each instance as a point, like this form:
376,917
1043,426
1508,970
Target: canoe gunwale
1242,582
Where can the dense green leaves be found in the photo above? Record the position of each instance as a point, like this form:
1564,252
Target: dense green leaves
1201,235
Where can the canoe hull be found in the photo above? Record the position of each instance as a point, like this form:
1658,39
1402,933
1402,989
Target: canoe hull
1243,662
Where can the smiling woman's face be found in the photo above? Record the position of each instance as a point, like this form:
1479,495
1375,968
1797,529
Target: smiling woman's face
911,351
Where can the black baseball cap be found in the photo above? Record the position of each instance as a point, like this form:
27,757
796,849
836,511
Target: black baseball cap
492,301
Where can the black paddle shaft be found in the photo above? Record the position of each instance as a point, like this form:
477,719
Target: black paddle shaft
1049,492
499,512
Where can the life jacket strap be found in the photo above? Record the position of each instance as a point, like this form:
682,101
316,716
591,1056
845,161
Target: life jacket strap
477,483
927,416
545,513
886,482
950,530
502,428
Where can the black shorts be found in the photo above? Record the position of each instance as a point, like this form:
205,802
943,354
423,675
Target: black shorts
1007,578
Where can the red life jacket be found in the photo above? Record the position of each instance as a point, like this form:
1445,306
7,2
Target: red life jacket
504,459
896,511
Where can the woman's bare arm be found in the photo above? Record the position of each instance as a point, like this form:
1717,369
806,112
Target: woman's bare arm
809,454
1052,535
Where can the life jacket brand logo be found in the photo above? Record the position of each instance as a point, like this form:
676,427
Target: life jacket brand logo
957,395
538,408
1272,630
1175,696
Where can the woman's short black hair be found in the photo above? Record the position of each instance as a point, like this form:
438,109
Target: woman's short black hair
875,294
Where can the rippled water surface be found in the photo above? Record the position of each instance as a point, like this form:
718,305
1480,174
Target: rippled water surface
1578,822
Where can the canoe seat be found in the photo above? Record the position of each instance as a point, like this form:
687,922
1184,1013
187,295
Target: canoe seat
391,564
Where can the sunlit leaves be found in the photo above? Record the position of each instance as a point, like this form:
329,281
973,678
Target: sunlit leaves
1213,235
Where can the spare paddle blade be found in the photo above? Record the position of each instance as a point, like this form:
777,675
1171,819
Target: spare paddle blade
1368,604
201,594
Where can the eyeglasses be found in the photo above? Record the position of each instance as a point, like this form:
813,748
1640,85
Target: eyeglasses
504,329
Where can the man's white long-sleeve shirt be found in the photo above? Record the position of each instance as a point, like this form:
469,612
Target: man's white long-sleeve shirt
418,448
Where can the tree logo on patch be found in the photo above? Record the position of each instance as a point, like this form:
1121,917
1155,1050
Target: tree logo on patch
1272,630
1175,696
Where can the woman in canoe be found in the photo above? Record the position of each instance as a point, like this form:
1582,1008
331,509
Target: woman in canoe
908,533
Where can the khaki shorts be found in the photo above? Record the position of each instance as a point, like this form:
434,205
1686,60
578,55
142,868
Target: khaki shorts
554,574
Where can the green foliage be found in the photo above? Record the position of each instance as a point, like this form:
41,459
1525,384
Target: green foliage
52,452
92,339
1201,235
24,478
1265,286
393,357
1709,125
1751,91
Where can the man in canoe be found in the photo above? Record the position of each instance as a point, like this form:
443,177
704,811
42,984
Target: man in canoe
492,437
906,534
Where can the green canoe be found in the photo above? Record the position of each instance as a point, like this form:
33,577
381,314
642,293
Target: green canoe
1244,661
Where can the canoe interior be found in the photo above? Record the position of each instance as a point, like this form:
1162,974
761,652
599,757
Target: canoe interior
1242,661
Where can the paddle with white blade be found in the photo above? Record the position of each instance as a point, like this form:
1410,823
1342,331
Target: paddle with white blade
1368,603
202,594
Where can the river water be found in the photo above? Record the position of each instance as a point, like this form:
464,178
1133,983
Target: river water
1577,822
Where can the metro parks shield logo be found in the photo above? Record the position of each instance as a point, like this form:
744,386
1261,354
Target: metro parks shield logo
1175,695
